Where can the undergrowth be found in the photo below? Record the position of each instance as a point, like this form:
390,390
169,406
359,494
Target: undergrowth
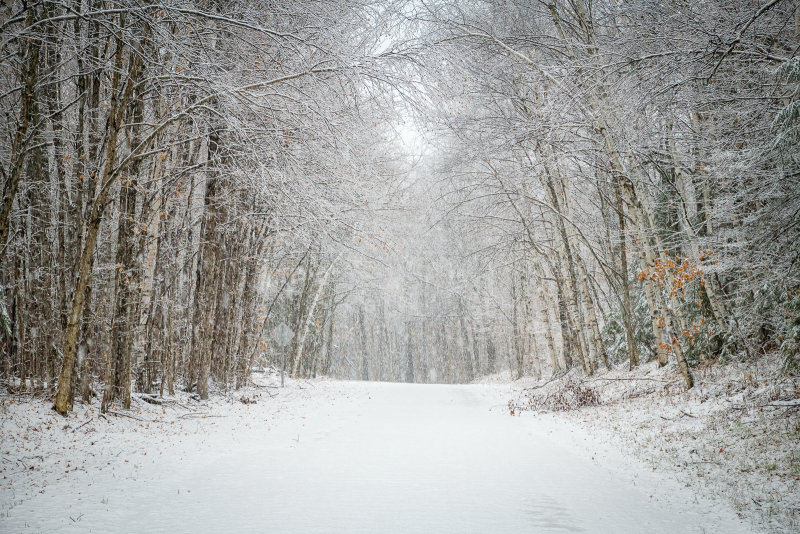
569,395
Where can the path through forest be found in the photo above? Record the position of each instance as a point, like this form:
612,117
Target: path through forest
370,457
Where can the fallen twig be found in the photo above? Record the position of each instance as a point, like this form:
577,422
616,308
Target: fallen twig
120,414
552,379
191,414
198,414
152,400
633,378
638,393
170,402
788,404
82,424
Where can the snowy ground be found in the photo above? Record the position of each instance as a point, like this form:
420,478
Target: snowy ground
734,437
328,456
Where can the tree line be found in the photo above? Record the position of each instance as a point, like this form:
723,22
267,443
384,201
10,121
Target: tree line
169,171
599,184
627,174
602,184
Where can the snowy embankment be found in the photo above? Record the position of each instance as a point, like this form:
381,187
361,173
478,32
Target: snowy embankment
327,456
735,436
42,453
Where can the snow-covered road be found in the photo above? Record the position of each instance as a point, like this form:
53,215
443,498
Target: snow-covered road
370,457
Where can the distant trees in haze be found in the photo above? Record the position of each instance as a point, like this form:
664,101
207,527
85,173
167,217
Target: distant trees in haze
633,168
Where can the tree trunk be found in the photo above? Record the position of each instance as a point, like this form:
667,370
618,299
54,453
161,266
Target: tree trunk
519,351
118,381
119,102
21,138
310,315
206,276
591,316
627,312
465,349
363,339
409,355
491,355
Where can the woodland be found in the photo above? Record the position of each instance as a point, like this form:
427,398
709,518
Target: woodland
422,190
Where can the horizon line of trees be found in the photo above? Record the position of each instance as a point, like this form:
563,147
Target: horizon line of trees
601,184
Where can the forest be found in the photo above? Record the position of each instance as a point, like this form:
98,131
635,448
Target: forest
423,191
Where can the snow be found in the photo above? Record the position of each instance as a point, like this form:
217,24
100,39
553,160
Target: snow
328,456
733,437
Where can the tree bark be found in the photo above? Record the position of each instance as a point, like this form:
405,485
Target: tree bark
627,312
363,339
21,138
119,102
